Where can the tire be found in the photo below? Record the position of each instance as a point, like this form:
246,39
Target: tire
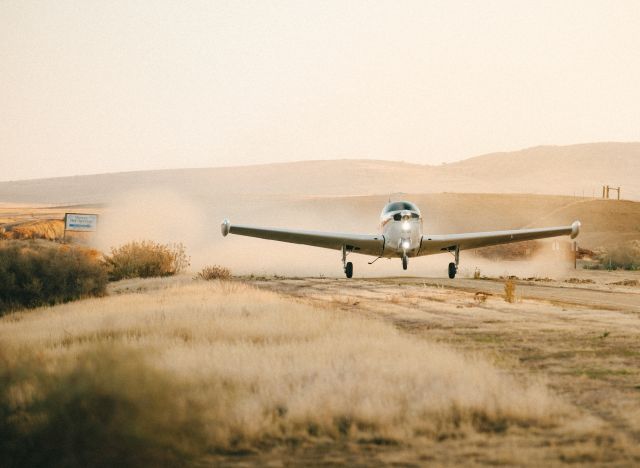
348,270
452,270
405,262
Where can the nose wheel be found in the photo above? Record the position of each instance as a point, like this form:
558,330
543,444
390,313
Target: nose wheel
405,262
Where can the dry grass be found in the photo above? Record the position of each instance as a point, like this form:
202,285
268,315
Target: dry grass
625,256
146,259
264,369
214,272
48,229
510,291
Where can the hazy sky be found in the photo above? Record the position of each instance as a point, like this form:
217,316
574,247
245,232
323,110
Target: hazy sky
101,86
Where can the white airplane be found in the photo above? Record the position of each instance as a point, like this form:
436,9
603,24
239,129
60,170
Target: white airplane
400,236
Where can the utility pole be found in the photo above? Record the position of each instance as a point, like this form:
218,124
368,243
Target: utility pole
606,190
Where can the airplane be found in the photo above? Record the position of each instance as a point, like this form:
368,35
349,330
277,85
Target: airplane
401,236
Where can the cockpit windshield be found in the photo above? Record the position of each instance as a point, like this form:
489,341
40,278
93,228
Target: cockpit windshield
400,206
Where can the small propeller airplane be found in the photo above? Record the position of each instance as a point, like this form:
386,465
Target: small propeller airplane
401,236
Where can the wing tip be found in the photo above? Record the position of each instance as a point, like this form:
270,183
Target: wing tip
575,229
225,227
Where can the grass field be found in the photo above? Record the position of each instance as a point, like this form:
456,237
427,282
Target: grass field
370,371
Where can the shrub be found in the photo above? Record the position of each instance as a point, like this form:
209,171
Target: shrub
214,272
622,256
146,259
35,273
510,291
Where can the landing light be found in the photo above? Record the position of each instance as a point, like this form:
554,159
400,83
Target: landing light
406,244
406,226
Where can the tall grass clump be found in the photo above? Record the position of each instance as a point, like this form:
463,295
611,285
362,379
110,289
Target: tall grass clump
35,273
146,259
214,272
105,407
510,291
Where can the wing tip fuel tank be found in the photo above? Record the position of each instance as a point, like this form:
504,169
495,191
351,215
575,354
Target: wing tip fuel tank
575,229
225,227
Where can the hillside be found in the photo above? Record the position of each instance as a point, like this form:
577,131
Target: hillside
567,170
562,170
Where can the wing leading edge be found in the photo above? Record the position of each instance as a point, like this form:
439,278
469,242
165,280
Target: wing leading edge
359,243
438,243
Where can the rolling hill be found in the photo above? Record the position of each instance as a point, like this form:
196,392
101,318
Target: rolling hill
576,170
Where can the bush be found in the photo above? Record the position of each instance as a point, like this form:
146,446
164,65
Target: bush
622,256
214,272
146,259
35,273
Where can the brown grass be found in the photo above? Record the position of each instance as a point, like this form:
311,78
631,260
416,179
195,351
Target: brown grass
625,256
214,272
510,291
146,259
48,229
266,369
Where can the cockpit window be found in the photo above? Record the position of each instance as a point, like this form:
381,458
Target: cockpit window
399,206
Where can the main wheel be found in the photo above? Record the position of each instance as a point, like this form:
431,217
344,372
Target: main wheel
348,270
452,270
405,262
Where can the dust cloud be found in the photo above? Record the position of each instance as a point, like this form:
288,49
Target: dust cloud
170,217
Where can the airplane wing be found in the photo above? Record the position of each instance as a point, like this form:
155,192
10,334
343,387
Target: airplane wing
432,244
358,243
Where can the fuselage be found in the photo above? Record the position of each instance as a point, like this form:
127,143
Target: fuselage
401,226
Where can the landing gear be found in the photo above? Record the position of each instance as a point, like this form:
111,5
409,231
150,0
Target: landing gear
405,262
348,269
348,266
453,267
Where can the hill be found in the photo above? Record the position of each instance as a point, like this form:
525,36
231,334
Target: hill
562,170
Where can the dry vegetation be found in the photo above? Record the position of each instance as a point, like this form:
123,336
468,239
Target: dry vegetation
38,272
146,259
214,272
215,367
510,291
580,339
624,256
48,229
34,273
